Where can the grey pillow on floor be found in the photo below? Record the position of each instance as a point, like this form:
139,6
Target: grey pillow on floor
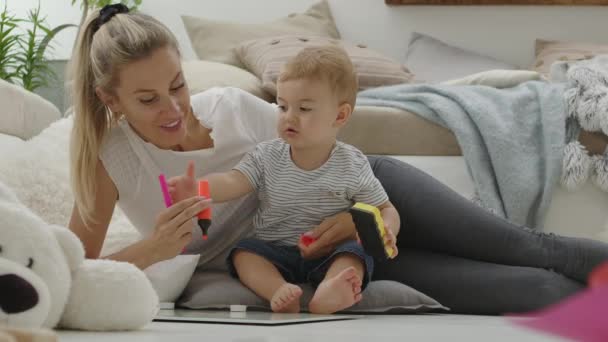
432,60
218,290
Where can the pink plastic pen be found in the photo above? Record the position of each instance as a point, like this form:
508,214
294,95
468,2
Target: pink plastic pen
166,195
165,189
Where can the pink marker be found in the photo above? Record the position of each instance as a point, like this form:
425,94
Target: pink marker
166,195
165,189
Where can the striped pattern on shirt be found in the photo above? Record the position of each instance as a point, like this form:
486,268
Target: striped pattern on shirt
293,201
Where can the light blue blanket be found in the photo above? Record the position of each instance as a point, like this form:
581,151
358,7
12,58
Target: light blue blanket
512,139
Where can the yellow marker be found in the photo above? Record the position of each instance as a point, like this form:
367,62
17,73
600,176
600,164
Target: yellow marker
370,227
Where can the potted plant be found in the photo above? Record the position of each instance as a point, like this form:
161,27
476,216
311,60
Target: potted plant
25,41
23,46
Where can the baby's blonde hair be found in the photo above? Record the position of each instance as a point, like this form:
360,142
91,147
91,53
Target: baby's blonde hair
101,51
328,63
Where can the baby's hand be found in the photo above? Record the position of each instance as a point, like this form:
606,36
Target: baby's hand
390,240
184,186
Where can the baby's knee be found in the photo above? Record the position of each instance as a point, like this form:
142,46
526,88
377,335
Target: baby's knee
240,256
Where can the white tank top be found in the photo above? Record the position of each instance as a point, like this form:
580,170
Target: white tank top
238,121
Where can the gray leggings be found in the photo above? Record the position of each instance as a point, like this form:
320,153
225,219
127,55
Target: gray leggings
469,259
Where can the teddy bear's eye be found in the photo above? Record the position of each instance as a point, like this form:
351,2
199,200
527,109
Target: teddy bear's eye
30,263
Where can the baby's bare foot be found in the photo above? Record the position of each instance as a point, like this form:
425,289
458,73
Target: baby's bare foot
286,299
337,293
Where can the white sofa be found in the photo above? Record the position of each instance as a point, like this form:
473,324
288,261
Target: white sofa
578,213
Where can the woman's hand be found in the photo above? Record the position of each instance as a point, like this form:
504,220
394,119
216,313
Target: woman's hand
174,227
329,234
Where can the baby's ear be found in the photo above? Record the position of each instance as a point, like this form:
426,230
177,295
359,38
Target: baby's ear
344,112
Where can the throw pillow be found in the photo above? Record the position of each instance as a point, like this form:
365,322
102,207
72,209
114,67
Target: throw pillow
266,56
202,75
170,277
218,290
548,52
432,60
498,78
25,114
215,40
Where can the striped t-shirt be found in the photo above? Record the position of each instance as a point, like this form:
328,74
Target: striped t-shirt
293,201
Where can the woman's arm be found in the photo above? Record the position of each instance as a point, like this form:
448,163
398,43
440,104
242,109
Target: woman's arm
94,234
172,232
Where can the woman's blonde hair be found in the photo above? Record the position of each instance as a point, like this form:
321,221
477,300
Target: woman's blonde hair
101,51
328,63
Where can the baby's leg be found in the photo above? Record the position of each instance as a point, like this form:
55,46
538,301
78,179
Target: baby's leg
341,287
263,278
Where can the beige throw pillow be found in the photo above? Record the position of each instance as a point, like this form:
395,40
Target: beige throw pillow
202,75
24,114
215,40
549,52
266,56
498,78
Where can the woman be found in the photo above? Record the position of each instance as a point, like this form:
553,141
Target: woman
134,119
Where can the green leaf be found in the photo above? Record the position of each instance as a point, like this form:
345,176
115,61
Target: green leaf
50,35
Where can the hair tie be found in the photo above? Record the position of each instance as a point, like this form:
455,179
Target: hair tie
107,12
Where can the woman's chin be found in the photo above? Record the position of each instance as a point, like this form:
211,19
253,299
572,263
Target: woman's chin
168,140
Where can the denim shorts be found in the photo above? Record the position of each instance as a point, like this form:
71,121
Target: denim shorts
293,267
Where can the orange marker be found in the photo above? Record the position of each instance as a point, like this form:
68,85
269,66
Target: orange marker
204,217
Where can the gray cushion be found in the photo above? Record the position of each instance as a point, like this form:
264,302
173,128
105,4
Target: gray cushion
218,290
432,60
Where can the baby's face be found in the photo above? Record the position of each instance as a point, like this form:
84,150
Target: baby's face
309,113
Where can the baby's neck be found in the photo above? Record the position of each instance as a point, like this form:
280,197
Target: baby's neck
311,158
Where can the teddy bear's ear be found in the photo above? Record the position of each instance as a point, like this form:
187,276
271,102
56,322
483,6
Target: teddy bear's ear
71,245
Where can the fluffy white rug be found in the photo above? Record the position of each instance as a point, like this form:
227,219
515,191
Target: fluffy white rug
38,172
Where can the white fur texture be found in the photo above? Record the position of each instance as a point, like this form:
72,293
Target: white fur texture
38,173
119,292
587,110
600,171
95,294
571,97
25,236
575,166
602,112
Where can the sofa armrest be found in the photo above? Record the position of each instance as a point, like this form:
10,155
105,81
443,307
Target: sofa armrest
25,114
384,130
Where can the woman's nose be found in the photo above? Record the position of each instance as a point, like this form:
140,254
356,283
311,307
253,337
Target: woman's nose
172,105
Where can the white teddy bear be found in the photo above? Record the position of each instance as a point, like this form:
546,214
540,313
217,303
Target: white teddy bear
45,281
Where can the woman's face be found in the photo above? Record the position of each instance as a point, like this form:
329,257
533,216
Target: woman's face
153,96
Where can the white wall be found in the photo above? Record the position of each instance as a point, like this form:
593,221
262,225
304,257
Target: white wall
506,32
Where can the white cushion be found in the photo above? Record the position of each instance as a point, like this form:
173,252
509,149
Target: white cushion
8,144
203,75
498,78
25,114
170,277
432,60
580,213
